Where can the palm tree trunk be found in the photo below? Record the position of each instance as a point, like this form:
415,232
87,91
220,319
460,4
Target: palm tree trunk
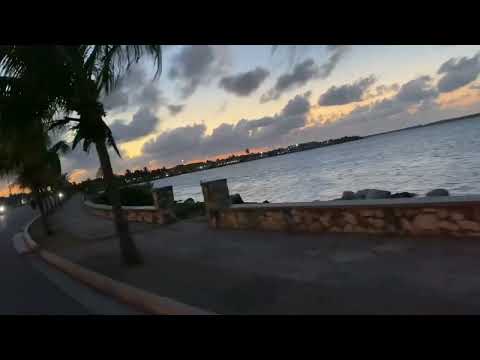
130,253
43,215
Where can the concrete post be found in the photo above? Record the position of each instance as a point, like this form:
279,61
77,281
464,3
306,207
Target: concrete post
216,197
163,197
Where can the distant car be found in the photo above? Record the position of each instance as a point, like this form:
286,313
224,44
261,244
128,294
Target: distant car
3,209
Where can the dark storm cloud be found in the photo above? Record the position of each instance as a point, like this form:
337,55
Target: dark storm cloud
192,141
175,109
348,93
195,65
458,72
244,84
143,123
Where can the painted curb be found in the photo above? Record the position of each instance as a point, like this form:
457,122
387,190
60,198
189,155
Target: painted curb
124,293
32,245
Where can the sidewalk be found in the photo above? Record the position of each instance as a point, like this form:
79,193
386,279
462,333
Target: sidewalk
244,272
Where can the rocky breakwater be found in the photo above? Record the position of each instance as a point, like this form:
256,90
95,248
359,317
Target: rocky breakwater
371,194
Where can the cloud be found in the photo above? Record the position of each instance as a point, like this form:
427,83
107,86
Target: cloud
383,89
143,123
298,105
244,84
293,53
134,90
192,141
198,64
175,109
347,93
306,71
223,107
150,96
176,142
458,72
337,53
121,97
78,160
300,75
85,165
117,100
414,103
417,89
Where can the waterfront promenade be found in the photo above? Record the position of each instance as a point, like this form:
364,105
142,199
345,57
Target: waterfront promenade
240,272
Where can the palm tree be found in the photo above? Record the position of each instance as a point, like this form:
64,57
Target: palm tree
36,166
82,74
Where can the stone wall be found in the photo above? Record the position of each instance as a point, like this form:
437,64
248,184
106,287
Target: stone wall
452,215
457,220
147,214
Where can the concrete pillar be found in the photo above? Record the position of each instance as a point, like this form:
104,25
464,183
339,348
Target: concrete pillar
216,197
163,197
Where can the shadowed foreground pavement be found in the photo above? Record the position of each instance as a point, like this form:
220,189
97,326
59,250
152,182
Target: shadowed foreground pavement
244,272
23,289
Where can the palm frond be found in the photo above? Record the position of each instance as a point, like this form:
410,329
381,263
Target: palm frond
111,142
76,139
116,60
60,147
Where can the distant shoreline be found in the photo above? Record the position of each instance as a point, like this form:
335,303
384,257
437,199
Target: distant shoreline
425,125
281,151
359,138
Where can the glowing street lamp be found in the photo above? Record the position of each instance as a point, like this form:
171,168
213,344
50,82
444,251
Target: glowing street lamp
60,195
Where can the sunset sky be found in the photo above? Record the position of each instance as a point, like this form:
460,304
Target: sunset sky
216,100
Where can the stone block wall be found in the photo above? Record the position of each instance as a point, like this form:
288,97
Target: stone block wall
457,216
146,214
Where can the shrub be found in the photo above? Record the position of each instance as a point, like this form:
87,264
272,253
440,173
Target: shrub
139,195
188,209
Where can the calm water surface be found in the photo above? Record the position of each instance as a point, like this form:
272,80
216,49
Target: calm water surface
417,160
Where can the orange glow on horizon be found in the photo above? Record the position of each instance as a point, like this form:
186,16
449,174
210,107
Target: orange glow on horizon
5,192
462,97
78,175
158,164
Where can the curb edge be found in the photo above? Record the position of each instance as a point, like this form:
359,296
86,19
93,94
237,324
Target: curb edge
138,298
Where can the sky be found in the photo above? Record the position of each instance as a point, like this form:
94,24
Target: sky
214,100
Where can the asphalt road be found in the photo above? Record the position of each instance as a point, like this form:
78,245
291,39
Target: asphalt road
23,290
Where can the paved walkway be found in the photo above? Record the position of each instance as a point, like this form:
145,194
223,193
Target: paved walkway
24,290
242,272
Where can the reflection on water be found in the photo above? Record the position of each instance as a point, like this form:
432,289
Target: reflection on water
418,160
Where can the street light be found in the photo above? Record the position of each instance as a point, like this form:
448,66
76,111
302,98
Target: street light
60,195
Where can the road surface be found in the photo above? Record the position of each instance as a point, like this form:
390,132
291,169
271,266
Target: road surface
23,289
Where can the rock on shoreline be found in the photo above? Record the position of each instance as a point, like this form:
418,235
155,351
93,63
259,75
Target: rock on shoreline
368,194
